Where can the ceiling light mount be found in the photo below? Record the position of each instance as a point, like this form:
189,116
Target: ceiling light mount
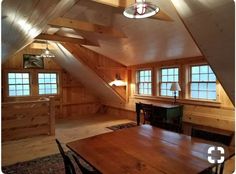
46,53
141,9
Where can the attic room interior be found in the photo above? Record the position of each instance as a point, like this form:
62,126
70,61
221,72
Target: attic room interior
118,86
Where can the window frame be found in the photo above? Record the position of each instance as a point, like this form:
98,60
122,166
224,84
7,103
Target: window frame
7,83
138,83
57,82
190,82
160,81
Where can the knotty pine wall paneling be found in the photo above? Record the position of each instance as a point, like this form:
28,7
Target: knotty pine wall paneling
73,99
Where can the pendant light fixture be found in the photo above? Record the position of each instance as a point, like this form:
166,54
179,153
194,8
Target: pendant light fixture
141,9
46,53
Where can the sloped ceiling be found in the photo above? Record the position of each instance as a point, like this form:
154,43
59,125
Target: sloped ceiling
23,20
86,76
147,40
211,24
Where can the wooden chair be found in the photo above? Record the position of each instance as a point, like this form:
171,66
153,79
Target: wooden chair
215,137
69,168
148,112
84,169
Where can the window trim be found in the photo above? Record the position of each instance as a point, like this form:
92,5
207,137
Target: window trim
7,83
137,81
57,83
160,80
190,82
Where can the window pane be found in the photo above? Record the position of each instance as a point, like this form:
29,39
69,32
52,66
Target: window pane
203,69
19,75
25,81
212,77
11,75
25,75
194,86
169,75
194,94
212,86
170,93
203,77
203,94
164,78
163,86
164,72
15,84
163,92
141,73
195,70
203,86
168,86
170,78
19,81
142,79
48,83
11,81
195,78
212,95
26,92
12,93
26,87
210,70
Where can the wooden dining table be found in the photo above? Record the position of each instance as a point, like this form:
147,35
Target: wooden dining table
147,150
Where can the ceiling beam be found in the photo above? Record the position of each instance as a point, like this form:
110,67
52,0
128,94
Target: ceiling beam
65,39
86,26
116,3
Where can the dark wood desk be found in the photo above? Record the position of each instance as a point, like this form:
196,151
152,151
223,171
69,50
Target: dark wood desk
163,114
146,150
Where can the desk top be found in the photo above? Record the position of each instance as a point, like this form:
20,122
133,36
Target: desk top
163,105
145,149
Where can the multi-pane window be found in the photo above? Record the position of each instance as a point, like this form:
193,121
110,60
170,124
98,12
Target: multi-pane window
144,82
203,83
47,83
168,75
18,84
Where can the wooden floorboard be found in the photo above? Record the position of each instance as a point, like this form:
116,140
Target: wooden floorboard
66,130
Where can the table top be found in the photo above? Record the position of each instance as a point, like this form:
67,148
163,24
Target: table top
145,150
163,105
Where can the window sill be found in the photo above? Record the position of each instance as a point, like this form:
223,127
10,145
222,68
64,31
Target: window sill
179,101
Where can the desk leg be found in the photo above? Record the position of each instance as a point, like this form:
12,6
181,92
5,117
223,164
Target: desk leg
138,113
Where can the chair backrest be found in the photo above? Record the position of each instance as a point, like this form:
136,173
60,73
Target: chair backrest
148,111
83,169
69,168
212,136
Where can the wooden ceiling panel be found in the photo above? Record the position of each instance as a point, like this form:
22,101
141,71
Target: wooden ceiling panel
148,40
24,20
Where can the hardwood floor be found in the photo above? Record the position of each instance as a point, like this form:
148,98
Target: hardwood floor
66,130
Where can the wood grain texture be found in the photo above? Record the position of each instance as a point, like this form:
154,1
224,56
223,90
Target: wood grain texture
145,149
86,26
59,38
24,20
26,119
94,60
70,90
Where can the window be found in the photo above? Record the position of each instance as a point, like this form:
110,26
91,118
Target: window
168,75
18,84
47,83
144,82
203,83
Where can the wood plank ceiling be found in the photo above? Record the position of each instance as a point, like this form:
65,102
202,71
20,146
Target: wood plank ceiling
128,41
22,21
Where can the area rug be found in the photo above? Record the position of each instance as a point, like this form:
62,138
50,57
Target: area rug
122,126
52,164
